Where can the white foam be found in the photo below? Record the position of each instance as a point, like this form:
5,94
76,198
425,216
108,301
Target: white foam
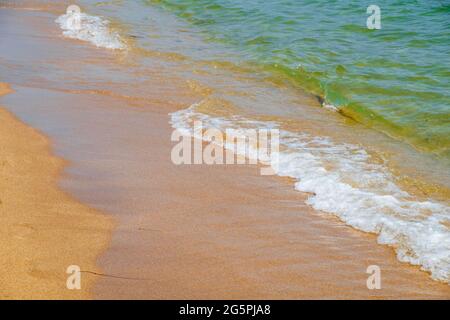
342,180
330,107
90,28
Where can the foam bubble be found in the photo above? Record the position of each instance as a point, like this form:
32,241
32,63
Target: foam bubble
330,107
89,28
342,180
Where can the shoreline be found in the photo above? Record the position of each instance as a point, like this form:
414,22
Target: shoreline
226,232
43,230
199,231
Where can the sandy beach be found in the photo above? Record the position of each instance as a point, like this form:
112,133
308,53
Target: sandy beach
42,230
85,144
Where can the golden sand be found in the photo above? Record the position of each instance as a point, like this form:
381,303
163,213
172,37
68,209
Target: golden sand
42,230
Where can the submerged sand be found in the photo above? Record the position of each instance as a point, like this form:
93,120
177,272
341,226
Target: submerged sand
42,230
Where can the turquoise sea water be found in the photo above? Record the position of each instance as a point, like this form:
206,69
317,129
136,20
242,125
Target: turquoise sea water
396,79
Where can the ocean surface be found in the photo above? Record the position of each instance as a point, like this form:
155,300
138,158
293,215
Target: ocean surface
364,115
396,79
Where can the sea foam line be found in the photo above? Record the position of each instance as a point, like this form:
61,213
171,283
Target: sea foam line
89,28
341,180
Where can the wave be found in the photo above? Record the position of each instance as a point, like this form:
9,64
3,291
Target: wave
344,180
394,81
89,28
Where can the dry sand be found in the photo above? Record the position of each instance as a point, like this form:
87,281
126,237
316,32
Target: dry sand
42,229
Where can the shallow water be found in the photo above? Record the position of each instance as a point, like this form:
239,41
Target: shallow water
352,69
395,79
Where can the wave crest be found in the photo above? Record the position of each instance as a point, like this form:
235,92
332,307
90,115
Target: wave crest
89,28
342,180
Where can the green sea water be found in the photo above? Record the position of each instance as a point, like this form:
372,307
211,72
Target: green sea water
395,79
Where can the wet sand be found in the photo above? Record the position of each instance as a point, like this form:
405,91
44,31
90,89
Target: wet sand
42,229
214,232
188,232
